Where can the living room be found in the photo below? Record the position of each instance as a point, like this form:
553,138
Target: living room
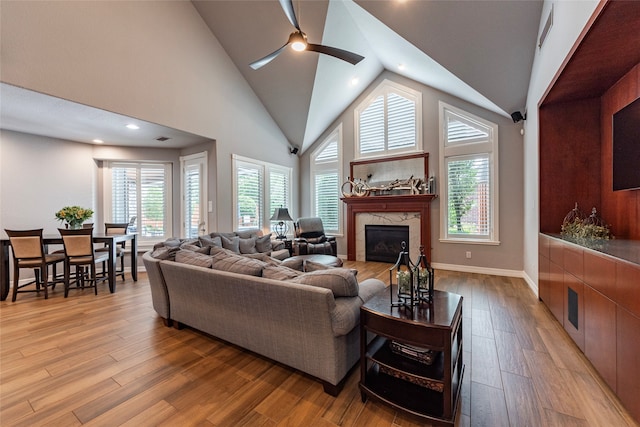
214,102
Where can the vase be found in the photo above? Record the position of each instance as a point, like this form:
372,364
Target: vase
75,225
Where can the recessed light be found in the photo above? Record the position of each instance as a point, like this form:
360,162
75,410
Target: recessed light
401,67
98,141
354,81
132,126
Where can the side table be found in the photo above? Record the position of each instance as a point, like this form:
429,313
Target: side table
393,368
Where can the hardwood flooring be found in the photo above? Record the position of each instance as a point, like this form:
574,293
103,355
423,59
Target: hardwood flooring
109,360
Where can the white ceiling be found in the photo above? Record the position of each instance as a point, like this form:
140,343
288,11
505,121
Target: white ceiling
480,51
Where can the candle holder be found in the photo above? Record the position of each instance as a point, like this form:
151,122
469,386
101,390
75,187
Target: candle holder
414,281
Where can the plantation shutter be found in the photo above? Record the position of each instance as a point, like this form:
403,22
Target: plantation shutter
249,179
192,195
278,190
469,194
124,200
401,122
372,127
327,199
153,200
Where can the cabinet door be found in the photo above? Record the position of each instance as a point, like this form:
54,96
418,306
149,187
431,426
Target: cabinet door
556,291
600,334
600,273
628,358
573,320
628,286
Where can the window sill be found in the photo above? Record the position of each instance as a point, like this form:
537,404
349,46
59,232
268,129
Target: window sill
472,241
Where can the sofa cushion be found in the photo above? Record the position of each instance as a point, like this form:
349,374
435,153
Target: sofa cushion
194,248
263,244
315,266
341,281
209,241
296,263
247,246
233,243
186,256
279,272
165,252
264,258
237,264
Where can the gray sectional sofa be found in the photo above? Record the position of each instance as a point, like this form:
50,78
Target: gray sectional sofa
308,321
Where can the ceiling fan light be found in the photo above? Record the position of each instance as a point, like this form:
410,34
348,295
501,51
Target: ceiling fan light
298,46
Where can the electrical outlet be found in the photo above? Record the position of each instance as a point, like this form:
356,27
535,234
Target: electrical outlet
468,254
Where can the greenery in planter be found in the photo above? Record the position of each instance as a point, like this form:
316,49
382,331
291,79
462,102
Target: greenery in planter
591,227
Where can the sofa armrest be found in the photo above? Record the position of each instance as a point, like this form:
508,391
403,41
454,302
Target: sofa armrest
370,287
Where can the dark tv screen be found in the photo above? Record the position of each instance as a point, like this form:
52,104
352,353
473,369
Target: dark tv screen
626,147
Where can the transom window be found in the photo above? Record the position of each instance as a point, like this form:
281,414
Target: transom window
326,179
389,121
258,188
469,173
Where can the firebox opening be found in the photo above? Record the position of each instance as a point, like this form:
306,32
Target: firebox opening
383,243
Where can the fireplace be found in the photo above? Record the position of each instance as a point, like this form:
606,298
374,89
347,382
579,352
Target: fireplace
383,243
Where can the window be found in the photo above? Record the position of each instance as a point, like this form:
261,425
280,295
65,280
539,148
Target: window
194,194
469,173
142,190
326,179
389,121
259,188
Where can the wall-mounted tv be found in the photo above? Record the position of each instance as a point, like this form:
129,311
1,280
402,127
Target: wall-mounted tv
626,147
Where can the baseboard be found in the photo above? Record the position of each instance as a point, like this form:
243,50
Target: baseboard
479,270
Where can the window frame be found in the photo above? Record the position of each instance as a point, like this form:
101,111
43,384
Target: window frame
469,150
328,166
143,242
265,169
383,89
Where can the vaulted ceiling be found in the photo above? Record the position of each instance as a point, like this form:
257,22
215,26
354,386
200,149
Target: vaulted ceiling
481,51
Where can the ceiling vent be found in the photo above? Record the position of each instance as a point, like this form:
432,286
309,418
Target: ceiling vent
162,138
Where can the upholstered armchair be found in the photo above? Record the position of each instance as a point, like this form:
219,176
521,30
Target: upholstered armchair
310,238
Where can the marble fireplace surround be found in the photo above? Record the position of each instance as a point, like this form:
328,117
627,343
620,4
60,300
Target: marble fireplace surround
411,210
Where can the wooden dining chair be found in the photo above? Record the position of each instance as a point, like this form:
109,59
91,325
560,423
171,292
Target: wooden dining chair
28,252
79,253
112,229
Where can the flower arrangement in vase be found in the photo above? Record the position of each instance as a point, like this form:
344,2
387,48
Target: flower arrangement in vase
74,216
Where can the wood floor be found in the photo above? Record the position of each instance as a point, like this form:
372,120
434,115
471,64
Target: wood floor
108,361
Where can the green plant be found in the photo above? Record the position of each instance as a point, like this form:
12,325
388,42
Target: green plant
74,215
582,229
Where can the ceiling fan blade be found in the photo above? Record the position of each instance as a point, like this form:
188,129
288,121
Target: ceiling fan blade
264,61
345,55
287,6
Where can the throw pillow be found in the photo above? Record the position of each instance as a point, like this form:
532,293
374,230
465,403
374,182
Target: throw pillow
315,266
264,258
279,272
232,244
165,253
193,258
194,248
263,244
237,264
207,240
248,246
341,281
249,233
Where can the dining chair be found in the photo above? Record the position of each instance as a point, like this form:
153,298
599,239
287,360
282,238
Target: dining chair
79,252
28,252
112,229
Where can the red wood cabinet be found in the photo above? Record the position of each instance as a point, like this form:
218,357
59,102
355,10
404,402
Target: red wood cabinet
628,361
600,334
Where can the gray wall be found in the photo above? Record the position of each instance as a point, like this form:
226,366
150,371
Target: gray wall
508,255
154,61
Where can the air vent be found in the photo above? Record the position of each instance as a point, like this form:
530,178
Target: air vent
547,27
162,138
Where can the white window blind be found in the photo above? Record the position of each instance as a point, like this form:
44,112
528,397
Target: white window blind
249,184
326,179
389,121
191,194
469,162
141,190
278,190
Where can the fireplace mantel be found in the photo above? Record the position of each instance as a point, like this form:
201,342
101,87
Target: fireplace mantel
401,203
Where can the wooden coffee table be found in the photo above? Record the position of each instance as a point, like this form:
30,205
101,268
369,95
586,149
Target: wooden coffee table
389,370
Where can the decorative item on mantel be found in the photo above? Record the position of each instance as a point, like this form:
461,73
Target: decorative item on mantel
415,281
585,229
73,216
360,188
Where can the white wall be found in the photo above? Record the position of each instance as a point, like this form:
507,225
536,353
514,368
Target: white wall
505,258
569,19
152,60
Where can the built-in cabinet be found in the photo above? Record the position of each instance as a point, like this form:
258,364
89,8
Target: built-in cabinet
596,298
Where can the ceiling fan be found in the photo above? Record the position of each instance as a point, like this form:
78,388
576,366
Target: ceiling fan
298,41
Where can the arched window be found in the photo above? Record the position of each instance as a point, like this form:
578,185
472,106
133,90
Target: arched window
389,121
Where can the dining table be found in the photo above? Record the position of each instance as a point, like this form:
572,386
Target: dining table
110,242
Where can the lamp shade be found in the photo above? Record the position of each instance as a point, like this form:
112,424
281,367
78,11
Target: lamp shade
281,214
